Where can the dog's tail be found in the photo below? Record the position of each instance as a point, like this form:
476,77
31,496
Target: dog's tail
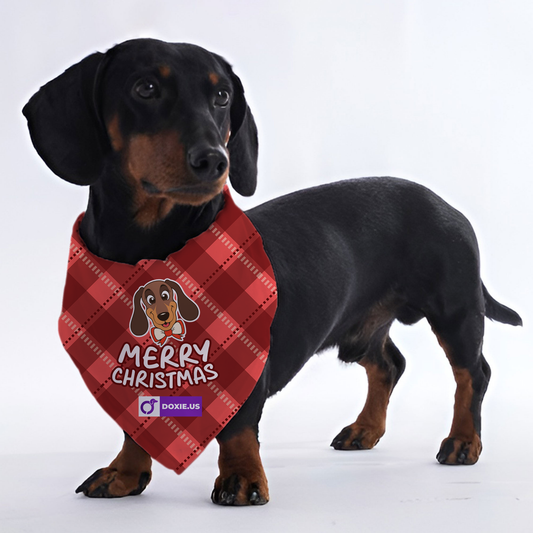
496,311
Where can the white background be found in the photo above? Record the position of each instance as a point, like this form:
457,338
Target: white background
439,92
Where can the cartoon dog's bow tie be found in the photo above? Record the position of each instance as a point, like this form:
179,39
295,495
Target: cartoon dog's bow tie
160,336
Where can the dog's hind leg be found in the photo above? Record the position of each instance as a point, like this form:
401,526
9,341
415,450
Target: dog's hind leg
384,364
461,337
127,475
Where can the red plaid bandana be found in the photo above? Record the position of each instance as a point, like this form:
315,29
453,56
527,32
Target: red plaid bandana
172,349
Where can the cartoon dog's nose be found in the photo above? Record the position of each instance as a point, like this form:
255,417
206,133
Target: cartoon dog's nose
163,316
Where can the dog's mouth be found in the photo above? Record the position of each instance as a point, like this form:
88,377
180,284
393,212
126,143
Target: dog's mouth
150,188
165,324
154,201
197,189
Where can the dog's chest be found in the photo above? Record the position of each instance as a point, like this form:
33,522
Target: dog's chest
174,384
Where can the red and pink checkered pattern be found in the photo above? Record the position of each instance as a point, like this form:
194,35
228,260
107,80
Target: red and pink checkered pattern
227,273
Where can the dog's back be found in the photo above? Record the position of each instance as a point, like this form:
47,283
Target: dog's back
156,129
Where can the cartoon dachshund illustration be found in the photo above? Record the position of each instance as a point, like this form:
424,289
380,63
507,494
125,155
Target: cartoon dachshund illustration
165,312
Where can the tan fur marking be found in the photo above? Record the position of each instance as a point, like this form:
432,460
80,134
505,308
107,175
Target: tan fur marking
465,452
377,401
164,70
161,161
463,422
122,476
240,456
159,158
369,427
463,432
214,78
132,458
115,136
151,209
370,424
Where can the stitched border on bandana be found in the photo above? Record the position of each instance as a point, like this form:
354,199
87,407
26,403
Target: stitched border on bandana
227,273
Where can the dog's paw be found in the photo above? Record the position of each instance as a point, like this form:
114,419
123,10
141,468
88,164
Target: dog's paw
454,451
357,437
110,483
237,490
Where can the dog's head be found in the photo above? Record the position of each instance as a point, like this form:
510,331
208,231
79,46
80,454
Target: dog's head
170,118
160,306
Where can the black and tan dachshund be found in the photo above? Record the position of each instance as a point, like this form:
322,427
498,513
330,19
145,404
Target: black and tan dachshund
156,129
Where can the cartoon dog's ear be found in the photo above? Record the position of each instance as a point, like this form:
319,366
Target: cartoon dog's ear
139,322
188,309
64,125
243,145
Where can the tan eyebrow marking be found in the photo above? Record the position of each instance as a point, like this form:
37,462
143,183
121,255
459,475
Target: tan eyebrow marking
164,70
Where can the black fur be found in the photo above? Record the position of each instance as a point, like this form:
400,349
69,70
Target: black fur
349,257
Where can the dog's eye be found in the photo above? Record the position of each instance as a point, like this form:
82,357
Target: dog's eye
222,98
165,295
150,300
147,88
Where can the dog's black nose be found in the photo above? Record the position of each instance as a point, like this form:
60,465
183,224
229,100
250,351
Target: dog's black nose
207,162
163,316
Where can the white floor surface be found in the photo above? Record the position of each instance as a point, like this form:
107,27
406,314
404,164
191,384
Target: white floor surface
313,489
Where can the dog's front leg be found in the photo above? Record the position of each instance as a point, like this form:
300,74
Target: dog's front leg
127,475
242,480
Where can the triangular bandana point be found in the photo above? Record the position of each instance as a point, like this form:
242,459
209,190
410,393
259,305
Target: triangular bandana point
167,351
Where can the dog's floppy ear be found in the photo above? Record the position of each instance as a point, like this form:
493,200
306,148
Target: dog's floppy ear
64,126
138,322
187,308
243,144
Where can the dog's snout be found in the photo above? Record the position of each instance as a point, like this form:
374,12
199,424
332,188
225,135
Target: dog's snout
163,316
208,163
